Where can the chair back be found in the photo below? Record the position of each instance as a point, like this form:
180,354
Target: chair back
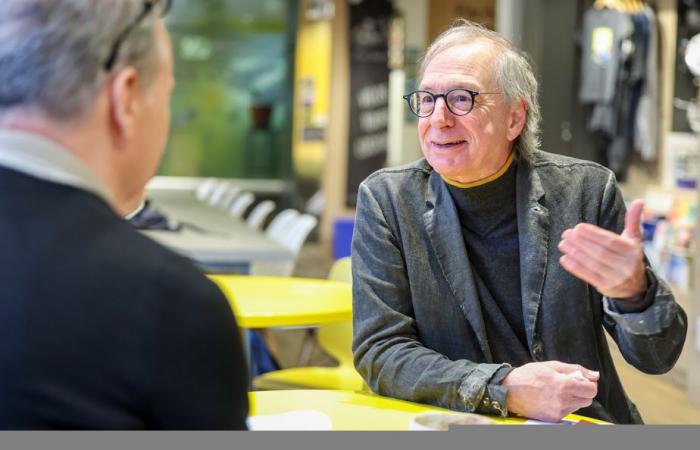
281,222
241,204
298,232
218,191
204,189
258,215
341,270
336,338
228,198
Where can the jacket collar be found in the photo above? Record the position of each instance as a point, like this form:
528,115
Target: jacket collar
443,228
533,235
39,157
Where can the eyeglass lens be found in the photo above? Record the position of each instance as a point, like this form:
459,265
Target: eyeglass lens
459,101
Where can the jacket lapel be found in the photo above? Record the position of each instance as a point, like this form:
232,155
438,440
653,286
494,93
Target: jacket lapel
445,232
533,232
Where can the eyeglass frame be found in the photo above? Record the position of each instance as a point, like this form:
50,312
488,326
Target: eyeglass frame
148,6
472,94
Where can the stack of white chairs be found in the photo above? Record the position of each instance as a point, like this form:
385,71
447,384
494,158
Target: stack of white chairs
219,192
281,222
229,197
259,214
240,204
205,188
290,229
300,229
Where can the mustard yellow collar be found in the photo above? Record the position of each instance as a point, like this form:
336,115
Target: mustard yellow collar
483,181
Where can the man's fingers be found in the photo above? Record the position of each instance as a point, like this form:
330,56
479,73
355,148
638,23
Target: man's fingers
584,270
596,265
605,238
633,219
573,370
591,250
592,375
582,388
550,390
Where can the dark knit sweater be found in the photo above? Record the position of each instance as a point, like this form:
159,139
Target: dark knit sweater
487,214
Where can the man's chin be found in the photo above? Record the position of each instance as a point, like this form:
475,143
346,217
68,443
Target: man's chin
447,169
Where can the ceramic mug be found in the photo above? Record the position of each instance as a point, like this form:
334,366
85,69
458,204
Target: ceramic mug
438,421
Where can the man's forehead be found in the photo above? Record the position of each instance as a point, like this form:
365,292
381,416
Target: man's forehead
471,63
473,55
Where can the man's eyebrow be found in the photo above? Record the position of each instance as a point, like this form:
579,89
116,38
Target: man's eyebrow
447,88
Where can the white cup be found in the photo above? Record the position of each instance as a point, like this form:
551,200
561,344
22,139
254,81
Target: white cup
438,421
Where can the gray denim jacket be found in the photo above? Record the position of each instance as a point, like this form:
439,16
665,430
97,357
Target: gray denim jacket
418,328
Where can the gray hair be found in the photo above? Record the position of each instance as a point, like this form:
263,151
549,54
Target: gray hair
514,76
53,52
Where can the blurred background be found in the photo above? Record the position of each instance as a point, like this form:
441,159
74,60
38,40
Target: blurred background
297,101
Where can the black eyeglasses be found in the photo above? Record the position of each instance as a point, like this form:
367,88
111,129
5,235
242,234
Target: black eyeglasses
148,6
460,102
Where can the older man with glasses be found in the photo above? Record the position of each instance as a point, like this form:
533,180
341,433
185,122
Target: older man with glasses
101,327
486,274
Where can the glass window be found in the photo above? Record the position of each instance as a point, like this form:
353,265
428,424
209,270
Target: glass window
231,108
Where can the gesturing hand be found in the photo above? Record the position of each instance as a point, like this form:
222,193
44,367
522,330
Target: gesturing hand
611,263
550,390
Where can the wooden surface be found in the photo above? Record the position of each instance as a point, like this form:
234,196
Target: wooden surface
659,400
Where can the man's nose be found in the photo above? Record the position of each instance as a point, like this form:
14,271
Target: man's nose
441,116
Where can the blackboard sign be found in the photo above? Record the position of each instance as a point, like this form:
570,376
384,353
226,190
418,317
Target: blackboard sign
369,89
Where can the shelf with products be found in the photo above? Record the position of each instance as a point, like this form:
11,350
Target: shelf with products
669,234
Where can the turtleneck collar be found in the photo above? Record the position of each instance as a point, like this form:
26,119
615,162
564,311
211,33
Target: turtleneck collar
486,180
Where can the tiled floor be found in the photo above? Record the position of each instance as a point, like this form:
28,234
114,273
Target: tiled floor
659,400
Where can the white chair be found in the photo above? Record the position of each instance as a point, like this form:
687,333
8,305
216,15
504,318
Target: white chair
281,222
241,204
291,232
218,192
228,198
258,215
204,188
298,232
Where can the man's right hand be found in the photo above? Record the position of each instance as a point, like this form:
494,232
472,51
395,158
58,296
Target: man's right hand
550,390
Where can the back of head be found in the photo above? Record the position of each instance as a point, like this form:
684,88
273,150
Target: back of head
53,53
513,72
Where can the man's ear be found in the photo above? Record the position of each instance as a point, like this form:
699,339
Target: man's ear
516,120
124,103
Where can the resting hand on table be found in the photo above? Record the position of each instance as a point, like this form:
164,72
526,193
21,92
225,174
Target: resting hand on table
549,390
611,263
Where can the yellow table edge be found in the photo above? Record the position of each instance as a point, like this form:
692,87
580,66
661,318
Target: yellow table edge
338,312
397,412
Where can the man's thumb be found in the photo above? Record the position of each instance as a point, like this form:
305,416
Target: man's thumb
633,220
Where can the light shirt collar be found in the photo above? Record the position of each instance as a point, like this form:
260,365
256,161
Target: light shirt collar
135,212
42,158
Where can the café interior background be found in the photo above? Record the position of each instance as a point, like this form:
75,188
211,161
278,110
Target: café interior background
283,91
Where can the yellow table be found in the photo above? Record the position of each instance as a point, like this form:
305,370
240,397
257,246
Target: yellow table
266,302
355,410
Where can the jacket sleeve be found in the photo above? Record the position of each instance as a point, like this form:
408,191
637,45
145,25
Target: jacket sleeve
387,350
651,339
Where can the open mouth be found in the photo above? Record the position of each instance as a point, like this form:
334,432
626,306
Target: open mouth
448,144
